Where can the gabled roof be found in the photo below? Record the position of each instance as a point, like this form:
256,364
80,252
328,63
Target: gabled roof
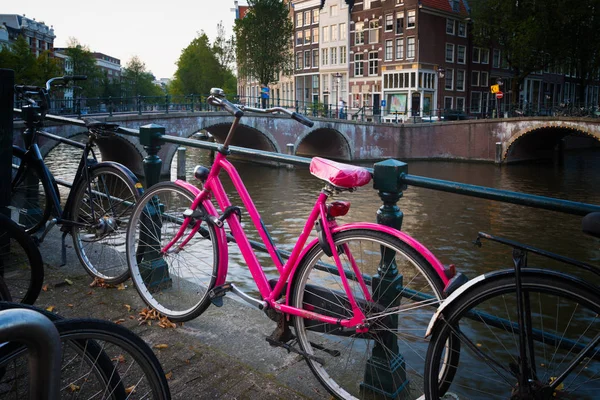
447,6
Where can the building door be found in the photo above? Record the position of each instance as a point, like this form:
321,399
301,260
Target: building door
376,104
415,104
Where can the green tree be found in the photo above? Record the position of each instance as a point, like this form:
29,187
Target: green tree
48,66
136,80
19,58
224,48
527,31
262,40
198,69
84,63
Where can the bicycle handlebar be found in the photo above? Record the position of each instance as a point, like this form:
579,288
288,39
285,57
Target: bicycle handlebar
294,115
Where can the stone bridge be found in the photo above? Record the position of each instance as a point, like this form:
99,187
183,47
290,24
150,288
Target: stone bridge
487,140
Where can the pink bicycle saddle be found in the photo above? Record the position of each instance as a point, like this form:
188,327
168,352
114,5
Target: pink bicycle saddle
339,174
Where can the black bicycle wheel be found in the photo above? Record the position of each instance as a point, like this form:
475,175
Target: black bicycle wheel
104,212
405,290
100,360
564,318
30,206
21,265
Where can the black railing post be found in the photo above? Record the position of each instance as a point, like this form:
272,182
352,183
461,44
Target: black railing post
167,103
192,103
110,106
139,104
386,370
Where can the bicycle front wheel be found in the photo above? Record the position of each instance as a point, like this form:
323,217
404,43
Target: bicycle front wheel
176,284
405,290
21,267
563,318
100,360
102,209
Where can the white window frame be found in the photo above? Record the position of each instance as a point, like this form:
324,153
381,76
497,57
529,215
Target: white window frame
359,64
343,31
399,54
389,50
375,61
449,81
476,55
451,102
307,56
408,47
389,21
325,36
412,15
475,78
464,29
464,80
460,99
464,54
451,31
449,45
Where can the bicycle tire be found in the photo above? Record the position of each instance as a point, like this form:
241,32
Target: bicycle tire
100,245
99,360
340,358
497,375
21,265
31,208
175,284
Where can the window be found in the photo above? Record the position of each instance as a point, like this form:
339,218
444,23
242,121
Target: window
325,34
333,55
324,58
315,33
315,16
389,22
449,26
448,103
410,47
412,15
462,29
476,55
460,103
475,102
359,33
333,10
389,48
460,80
484,78
373,63
307,59
460,54
306,17
496,61
343,55
307,38
399,2
399,49
449,82
456,5
298,19
367,4
299,39
299,60
334,33
343,31
475,78
485,56
315,58
399,23
449,52
374,31
358,64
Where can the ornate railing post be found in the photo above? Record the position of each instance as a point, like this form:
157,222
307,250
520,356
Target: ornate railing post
167,103
139,104
153,268
385,373
110,106
192,103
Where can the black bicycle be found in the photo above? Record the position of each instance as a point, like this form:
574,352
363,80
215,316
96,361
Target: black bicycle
97,210
524,333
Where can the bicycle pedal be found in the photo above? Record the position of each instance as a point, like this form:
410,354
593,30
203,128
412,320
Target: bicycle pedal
217,293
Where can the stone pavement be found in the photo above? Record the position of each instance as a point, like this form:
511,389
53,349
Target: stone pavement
221,354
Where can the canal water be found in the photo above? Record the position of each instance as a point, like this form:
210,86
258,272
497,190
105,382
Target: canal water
446,223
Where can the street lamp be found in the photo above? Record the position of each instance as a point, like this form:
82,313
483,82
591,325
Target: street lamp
337,77
441,72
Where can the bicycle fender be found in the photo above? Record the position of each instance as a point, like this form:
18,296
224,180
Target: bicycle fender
422,250
123,169
466,288
221,236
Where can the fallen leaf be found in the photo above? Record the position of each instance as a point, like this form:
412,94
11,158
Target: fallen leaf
50,308
121,286
90,292
127,306
45,287
73,387
70,305
70,282
169,375
161,346
130,389
120,320
131,317
120,358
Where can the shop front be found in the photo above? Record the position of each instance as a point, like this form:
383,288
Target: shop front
408,94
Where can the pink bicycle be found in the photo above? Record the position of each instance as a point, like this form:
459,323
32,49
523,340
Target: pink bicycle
359,295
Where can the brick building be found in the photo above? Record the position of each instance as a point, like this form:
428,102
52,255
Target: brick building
39,36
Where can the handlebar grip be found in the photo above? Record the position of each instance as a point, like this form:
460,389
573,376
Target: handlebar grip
302,119
232,108
78,77
26,88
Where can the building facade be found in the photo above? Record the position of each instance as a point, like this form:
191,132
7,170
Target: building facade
39,36
306,51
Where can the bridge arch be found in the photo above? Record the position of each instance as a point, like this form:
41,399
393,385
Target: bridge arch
324,142
542,140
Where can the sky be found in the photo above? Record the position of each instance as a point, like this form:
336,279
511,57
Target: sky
155,31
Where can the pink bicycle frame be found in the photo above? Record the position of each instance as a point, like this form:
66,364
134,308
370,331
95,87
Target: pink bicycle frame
214,186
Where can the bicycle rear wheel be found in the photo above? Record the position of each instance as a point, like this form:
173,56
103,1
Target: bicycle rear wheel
388,360
564,319
100,360
176,284
104,209
21,266
29,204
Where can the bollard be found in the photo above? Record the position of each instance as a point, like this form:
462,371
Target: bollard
385,370
181,163
290,151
